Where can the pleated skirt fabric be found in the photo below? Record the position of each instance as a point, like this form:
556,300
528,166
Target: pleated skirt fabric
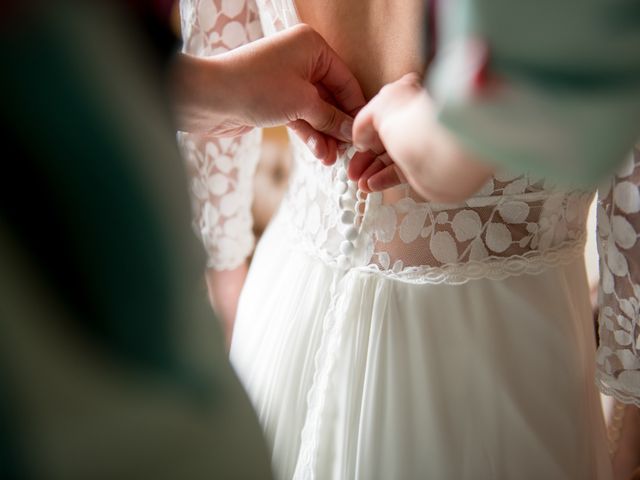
360,376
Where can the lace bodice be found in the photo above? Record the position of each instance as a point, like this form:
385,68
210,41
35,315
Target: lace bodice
518,218
515,224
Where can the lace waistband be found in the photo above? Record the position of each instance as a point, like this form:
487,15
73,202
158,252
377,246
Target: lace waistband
494,268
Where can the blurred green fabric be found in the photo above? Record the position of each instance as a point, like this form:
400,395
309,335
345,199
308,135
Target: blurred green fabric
563,91
111,361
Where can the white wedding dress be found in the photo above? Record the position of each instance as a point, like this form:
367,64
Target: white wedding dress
427,340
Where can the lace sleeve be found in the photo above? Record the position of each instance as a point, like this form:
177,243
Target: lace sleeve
618,368
221,169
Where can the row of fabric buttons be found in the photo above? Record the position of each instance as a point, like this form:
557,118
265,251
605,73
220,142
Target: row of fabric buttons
350,201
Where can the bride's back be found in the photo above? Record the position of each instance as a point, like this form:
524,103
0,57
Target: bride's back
378,39
520,220
401,234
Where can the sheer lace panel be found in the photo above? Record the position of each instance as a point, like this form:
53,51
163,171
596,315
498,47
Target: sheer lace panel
221,169
619,294
511,216
276,15
520,219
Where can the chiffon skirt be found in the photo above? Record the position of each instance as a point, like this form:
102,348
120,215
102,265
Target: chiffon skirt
359,376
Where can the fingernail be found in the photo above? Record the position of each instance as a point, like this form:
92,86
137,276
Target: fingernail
346,130
361,148
312,144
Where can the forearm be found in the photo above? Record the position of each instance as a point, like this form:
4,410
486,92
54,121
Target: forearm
201,92
272,81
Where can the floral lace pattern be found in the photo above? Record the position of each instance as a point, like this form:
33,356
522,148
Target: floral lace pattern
510,216
221,173
618,357
513,220
515,224
276,15
221,169
211,27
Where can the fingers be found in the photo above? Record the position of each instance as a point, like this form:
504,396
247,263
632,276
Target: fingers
359,164
337,93
365,134
375,173
325,94
333,74
332,153
390,99
388,177
314,140
374,167
327,119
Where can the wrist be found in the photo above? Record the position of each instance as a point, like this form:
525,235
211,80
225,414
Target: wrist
200,88
433,160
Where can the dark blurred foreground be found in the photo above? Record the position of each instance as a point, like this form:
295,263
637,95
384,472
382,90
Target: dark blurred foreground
111,363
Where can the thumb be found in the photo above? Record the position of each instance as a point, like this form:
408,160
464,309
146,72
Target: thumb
328,119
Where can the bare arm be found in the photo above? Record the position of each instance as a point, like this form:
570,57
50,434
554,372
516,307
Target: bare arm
272,81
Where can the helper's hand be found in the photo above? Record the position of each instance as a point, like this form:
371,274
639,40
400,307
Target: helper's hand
399,127
291,78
